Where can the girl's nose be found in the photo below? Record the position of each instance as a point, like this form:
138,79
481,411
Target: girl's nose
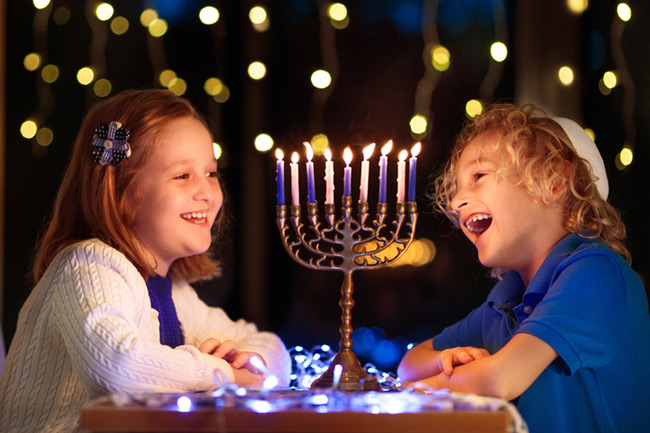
205,190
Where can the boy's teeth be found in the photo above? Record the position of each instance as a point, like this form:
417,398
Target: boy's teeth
478,223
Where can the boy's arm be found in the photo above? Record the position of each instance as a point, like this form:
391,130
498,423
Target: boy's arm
506,374
424,361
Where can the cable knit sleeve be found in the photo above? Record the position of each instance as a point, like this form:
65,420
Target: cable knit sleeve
200,322
102,311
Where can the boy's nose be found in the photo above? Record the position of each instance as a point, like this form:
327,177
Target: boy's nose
458,201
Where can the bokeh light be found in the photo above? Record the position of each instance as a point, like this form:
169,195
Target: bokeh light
166,77
338,15
319,143
565,74
102,87
32,61
418,124
473,108
577,6
50,73
610,79
41,4
85,75
257,70
158,27
499,51
147,17
213,86
263,142
119,25
321,79
104,11
626,156
624,12
178,86
217,150
28,129
44,137
209,15
440,58
61,15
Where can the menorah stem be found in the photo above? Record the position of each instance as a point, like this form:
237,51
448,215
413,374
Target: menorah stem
346,303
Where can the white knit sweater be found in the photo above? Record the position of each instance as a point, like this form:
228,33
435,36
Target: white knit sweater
88,329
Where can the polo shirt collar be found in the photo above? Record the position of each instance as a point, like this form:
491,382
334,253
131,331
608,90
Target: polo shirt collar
507,294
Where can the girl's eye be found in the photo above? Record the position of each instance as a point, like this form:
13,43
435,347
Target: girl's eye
183,176
211,174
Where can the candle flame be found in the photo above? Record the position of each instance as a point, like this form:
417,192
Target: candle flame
385,150
310,151
402,155
295,157
279,154
368,150
347,156
415,150
328,153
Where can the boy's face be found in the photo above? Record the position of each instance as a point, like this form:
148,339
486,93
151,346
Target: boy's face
509,228
181,194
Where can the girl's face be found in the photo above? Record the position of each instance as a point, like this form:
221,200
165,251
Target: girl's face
180,194
509,228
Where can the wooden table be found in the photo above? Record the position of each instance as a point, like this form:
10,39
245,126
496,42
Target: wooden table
104,415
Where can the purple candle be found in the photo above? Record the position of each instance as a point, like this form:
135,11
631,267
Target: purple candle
415,151
311,189
347,172
383,170
279,177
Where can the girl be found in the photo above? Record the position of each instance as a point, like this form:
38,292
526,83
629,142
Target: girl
566,330
112,310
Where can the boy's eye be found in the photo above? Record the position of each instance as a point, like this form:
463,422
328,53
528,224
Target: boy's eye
477,176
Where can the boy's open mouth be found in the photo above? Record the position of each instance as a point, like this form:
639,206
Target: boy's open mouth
478,223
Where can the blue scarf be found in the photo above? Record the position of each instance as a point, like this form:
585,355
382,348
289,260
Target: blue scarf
160,293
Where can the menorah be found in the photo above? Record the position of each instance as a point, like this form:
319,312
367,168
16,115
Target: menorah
347,245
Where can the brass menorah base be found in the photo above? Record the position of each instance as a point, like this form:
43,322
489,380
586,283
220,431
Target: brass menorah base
347,245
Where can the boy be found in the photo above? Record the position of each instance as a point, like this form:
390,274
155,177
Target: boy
566,330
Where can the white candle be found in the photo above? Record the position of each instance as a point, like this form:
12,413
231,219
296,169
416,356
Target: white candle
365,168
295,187
401,175
347,173
311,188
329,177
383,170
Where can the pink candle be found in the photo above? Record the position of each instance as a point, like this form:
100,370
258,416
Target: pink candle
347,173
280,175
383,170
401,175
365,168
415,151
295,187
311,189
329,177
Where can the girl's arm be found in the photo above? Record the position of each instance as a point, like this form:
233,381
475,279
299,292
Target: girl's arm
201,323
506,374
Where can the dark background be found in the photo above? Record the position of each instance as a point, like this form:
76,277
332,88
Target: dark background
380,62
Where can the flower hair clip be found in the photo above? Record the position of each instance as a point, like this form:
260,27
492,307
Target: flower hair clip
111,144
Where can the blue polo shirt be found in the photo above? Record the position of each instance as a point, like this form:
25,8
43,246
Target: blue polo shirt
588,304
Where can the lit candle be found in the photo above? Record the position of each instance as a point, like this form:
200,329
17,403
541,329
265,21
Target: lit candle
295,187
383,170
401,175
279,177
311,189
363,188
329,177
415,151
347,174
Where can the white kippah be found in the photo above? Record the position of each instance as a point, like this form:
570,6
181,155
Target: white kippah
586,149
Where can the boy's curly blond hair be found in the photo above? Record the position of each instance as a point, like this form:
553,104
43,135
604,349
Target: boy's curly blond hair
538,153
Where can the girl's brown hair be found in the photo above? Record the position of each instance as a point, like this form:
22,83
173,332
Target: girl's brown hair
536,151
92,199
